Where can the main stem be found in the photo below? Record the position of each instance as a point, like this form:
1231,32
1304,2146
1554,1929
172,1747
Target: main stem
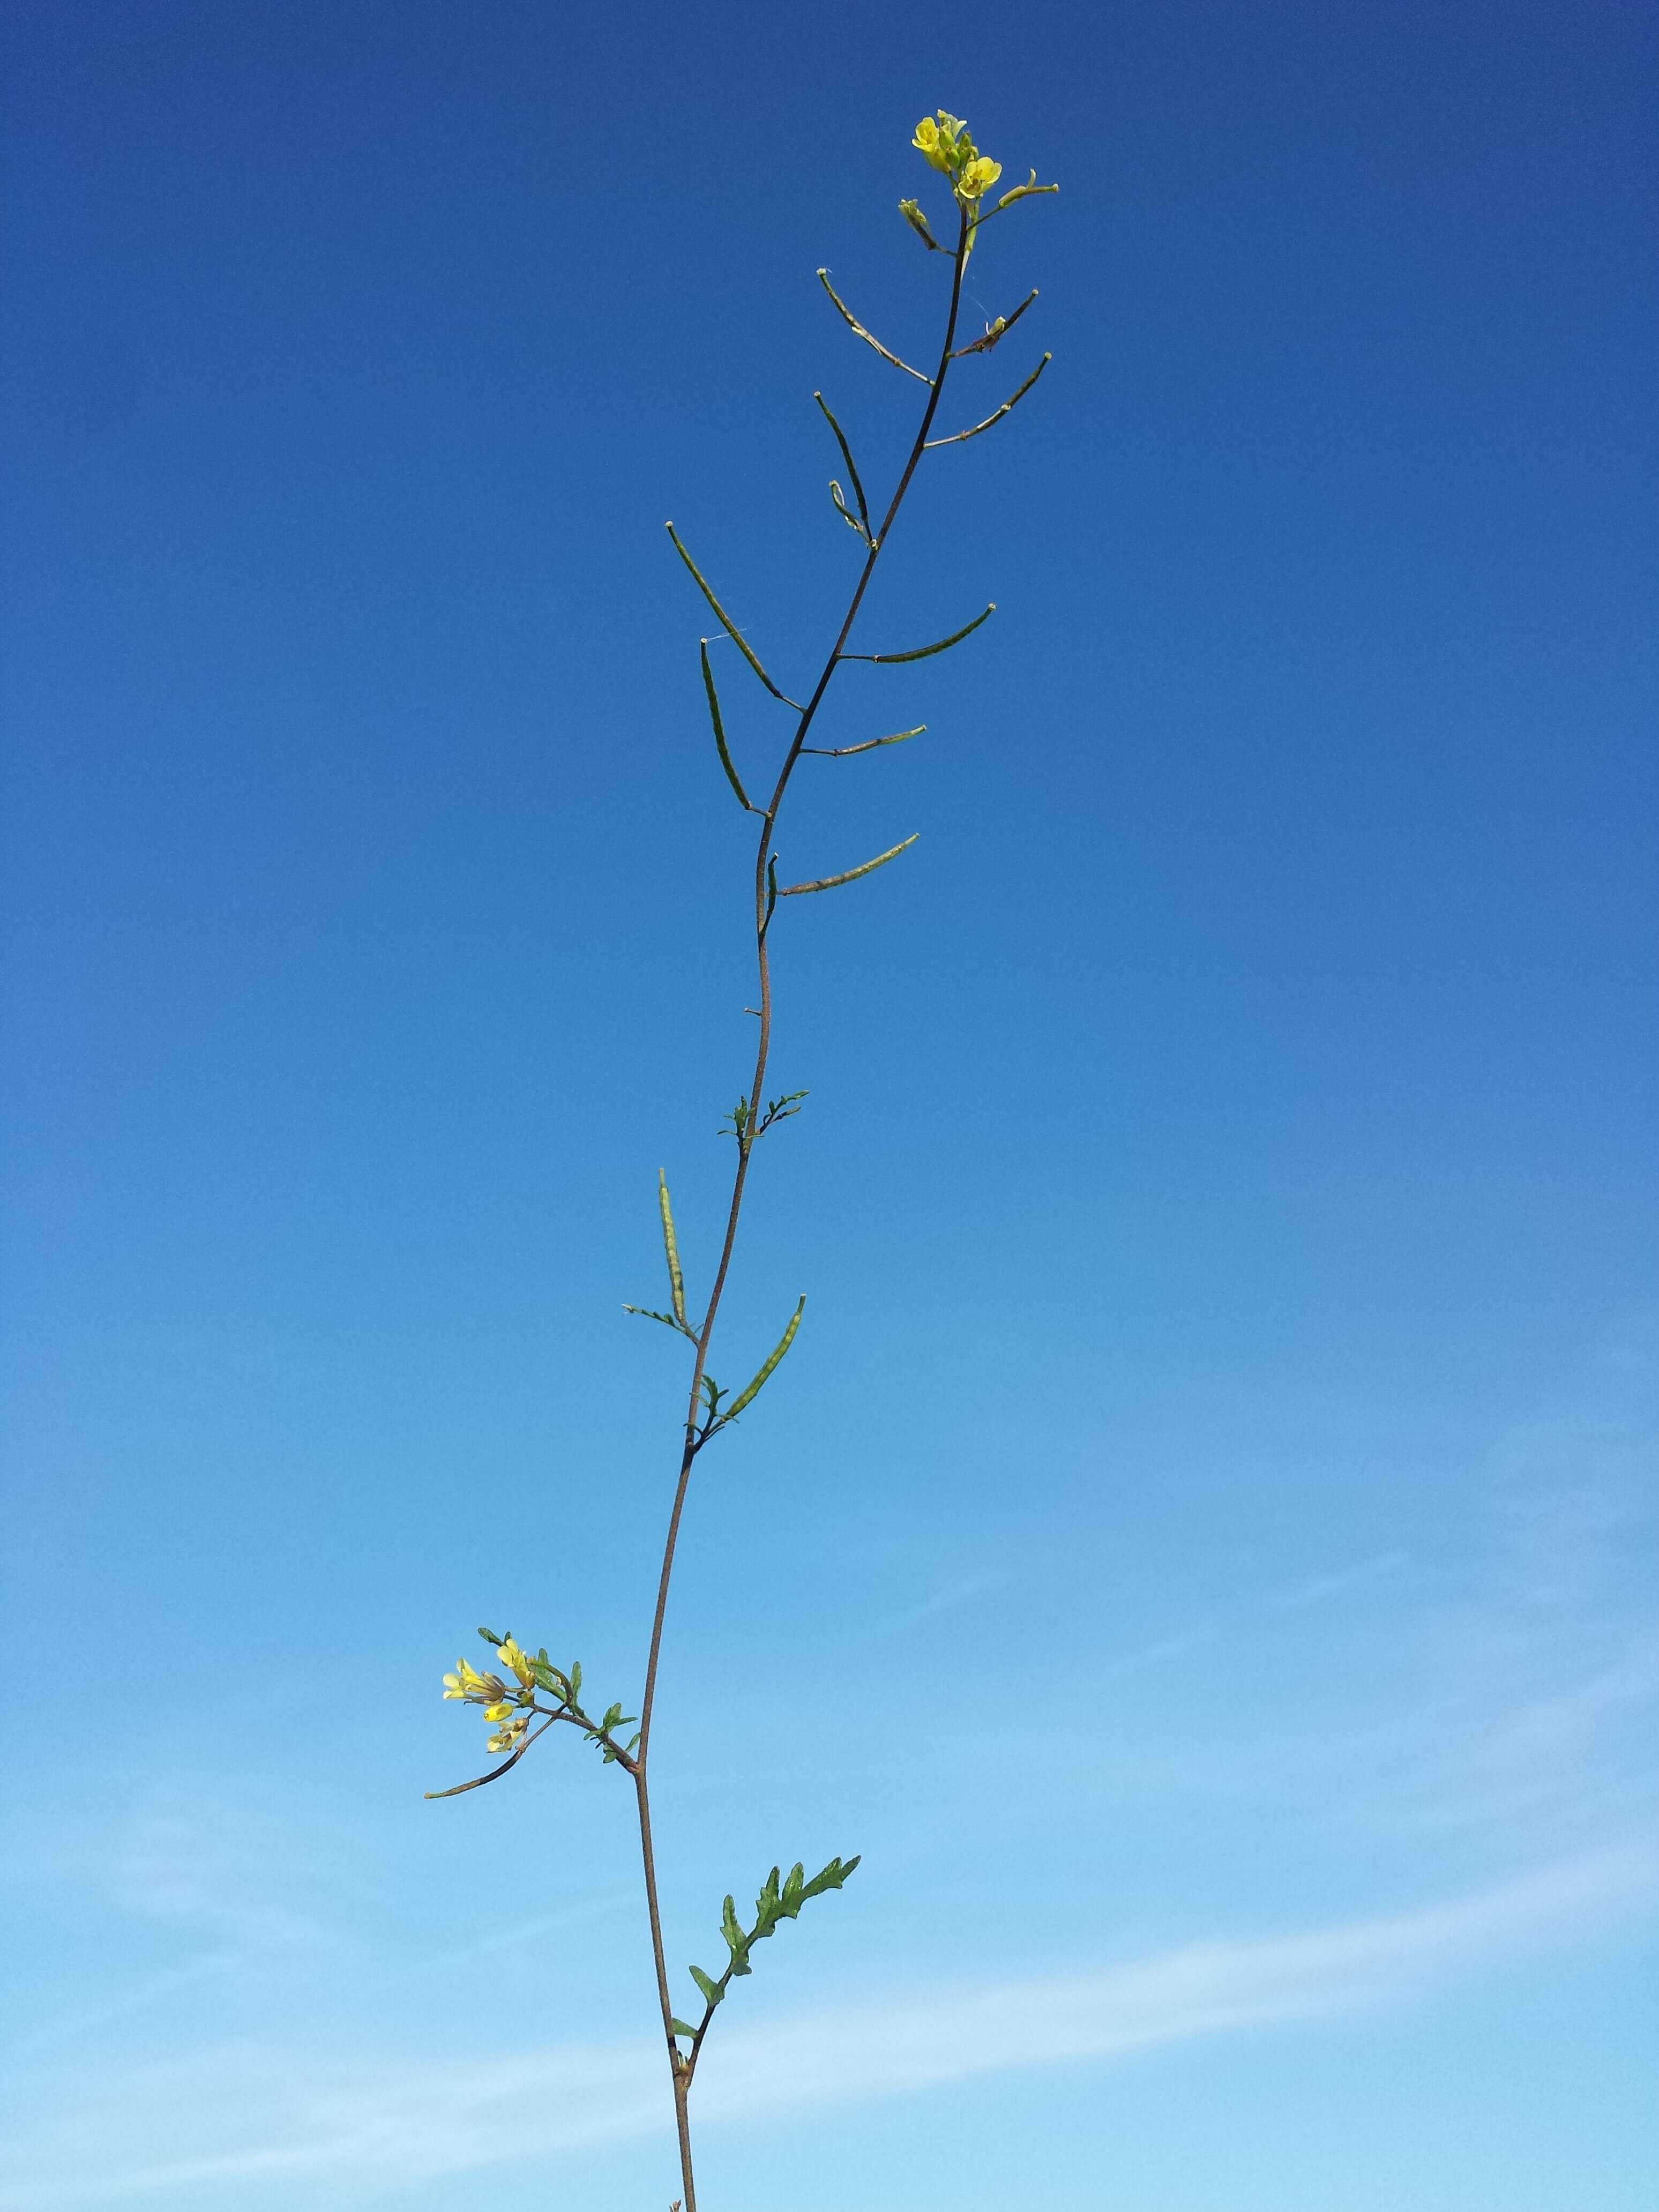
681,2069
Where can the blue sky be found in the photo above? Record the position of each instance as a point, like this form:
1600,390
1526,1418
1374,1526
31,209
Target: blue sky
1199,1549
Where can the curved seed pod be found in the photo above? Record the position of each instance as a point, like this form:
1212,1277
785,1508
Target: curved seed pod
1006,405
726,623
764,1376
922,652
854,325
852,875
719,729
846,455
846,752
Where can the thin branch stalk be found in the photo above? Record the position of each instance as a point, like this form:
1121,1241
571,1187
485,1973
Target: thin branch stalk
766,894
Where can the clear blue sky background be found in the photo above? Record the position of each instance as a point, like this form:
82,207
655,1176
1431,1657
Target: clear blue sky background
1199,1549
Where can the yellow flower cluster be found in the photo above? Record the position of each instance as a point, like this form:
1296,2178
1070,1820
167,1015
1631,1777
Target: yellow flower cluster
947,147
498,1701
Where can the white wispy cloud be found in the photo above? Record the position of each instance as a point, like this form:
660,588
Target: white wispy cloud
422,2122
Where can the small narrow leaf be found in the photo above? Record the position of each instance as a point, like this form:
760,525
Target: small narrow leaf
676,1280
680,2027
726,623
850,875
764,1376
711,1989
719,729
646,1313
924,652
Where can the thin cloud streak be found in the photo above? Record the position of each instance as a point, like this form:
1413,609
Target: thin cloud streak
476,2115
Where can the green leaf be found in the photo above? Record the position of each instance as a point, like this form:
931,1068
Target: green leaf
720,730
711,1989
648,1313
575,1677
676,1280
850,875
789,1903
680,2027
769,1905
851,465
831,1878
760,1381
490,1637
728,625
923,651
736,1942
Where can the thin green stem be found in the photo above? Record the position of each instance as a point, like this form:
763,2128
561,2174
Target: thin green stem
681,2072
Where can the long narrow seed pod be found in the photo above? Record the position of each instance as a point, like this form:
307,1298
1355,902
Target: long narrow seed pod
1007,407
851,875
925,652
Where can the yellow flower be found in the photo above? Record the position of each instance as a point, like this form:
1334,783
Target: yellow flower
520,1662
499,1711
505,1739
466,1681
929,141
977,176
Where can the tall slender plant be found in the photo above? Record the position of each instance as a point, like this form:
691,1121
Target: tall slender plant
529,1694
